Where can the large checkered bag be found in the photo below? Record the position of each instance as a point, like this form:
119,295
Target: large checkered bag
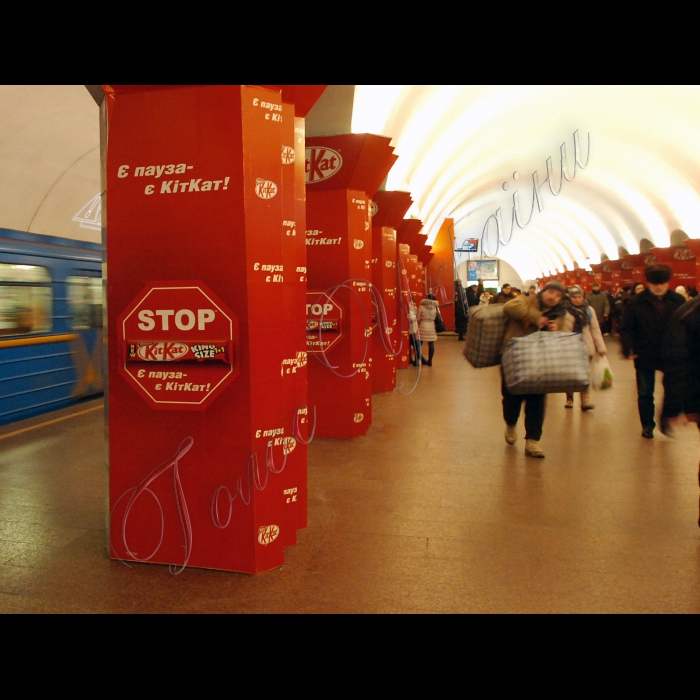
485,335
546,362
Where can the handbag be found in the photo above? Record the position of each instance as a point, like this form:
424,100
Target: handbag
485,335
546,362
601,374
439,323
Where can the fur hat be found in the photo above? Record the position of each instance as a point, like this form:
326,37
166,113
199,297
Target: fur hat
555,284
658,274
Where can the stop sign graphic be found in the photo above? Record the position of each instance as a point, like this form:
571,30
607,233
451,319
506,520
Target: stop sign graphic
324,322
177,340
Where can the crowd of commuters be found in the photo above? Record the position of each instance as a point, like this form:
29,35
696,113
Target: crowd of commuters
658,328
645,318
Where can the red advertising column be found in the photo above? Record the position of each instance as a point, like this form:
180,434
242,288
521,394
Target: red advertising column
607,274
440,270
681,259
416,278
291,306
404,252
639,263
694,245
587,279
388,209
198,262
342,174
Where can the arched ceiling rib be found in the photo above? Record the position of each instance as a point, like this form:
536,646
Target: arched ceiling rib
458,144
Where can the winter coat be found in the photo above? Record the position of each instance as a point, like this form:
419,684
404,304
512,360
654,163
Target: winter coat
460,314
525,312
592,335
643,329
474,296
600,303
682,350
427,311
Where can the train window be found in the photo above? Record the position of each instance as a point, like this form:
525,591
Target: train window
25,299
85,302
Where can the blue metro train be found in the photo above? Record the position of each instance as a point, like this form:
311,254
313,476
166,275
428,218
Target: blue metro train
50,323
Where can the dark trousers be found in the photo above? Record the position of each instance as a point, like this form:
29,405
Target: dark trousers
646,380
534,410
431,349
413,349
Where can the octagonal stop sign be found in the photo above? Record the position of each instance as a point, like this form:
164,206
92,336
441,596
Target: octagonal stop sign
324,322
177,341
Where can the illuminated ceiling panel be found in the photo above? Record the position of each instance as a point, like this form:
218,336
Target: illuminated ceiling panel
466,151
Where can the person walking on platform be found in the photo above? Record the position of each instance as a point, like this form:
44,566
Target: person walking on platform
599,302
529,314
461,311
682,377
645,319
505,295
474,293
586,323
413,342
427,312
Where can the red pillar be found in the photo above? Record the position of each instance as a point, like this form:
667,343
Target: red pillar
694,245
607,274
342,174
389,208
681,259
440,270
195,234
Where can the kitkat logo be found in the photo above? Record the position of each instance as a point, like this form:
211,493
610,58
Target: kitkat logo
683,254
321,163
265,189
161,352
288,155
268,534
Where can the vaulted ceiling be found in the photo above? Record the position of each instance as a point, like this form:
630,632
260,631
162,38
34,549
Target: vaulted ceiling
471,152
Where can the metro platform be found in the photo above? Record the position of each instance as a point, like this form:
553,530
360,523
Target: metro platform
429,512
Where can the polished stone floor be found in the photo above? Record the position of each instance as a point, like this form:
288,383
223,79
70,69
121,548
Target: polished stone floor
430,512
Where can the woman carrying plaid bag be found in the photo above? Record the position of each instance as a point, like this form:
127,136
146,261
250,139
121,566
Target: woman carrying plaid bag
545,311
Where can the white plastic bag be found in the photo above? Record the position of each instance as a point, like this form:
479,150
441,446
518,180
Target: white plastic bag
601,374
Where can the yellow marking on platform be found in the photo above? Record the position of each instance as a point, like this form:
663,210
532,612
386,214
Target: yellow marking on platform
49,422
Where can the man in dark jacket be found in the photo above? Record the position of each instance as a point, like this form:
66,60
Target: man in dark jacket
599,302
682,395
474,293
505,295
461,311
645,319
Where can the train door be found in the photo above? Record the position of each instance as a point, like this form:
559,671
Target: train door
84,297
